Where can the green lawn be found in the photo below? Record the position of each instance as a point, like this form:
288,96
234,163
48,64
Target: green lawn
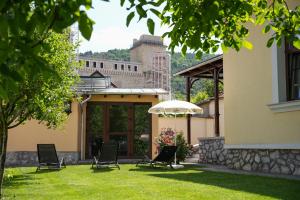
81,182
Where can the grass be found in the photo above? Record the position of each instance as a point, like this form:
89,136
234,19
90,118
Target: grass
81,182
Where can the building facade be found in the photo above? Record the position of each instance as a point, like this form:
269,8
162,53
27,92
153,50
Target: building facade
261,108
109,115
149,65
116,98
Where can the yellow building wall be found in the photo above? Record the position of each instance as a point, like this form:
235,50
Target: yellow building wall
200,127
211,122
26,137
248,91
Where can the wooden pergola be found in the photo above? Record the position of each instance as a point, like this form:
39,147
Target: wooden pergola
211,68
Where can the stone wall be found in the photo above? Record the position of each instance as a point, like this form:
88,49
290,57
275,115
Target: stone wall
29,158
283,161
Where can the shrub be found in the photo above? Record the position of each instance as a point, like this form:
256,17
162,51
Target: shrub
167,138
182,147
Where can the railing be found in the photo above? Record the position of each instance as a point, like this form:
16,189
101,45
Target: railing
88,84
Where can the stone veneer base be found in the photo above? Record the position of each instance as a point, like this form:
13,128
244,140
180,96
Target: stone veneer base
280,161
29,158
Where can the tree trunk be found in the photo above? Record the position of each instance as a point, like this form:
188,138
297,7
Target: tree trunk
3,145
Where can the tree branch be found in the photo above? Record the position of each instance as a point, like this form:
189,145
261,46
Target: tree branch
17,124
21,111
2,114
11,106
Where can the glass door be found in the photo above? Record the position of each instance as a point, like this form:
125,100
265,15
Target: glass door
128,124
94,129
120,127
142,130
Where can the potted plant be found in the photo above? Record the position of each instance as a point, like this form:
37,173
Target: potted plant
167,137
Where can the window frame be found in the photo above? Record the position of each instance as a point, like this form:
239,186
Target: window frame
280,102
290,50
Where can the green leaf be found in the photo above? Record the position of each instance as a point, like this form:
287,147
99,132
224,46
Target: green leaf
129,18
151,25
247,44
165,34
260,20
296,43
216,4
122,2
142,13
85,25
279,41
156,12
267,29
199,54
183,50
156,3
270,42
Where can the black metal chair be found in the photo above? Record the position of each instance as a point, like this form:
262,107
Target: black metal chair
108,156
166,156
47,157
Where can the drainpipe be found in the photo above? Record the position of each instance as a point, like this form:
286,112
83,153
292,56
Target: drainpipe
82,127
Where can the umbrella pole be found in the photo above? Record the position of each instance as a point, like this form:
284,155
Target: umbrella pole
175,138
175,166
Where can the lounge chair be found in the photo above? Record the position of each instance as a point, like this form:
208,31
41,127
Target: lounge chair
166,156
108,156
48,158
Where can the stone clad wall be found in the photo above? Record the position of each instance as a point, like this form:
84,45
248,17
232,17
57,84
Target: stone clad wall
283,161
29,158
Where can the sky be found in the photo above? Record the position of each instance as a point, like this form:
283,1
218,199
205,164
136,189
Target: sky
110,30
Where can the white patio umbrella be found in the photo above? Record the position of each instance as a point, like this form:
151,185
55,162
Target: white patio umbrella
175,107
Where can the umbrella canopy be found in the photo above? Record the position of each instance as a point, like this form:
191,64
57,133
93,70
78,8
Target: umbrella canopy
175,107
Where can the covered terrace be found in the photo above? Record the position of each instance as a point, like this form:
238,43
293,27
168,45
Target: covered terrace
211,68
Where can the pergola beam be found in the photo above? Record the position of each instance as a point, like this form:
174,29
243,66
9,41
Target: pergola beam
188,99
216,96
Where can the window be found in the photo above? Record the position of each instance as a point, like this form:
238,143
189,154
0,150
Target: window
285,78
122,67
87,63
129,68
101,65
135,68
116,66
292,57
94,64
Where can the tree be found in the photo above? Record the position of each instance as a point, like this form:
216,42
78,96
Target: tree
200,96
112,54
24,28
40,95
206,25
